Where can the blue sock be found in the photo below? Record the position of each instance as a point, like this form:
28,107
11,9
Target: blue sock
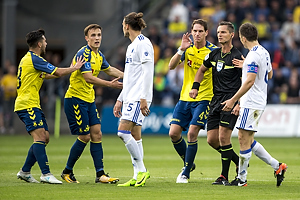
190,157
39,151
180,147
97,154
30,160
75,153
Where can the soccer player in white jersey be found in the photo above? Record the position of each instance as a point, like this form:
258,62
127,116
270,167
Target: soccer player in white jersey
136,95
257,69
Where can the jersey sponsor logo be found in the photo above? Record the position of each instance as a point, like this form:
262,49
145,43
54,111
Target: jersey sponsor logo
219,66
128,60
146,53
49,66
197,65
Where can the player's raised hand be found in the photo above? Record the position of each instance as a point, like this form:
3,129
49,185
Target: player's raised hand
193,93
185,41
238,63
79,62
116,84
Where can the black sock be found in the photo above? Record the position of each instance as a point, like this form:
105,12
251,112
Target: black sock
100,173
235,158
226,154
67,171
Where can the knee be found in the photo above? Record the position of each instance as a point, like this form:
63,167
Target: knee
125,136
85,138
222,139
192,136
214,143
174,136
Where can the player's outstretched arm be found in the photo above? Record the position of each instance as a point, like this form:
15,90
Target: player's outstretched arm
112,71
89,78
228,104
64,71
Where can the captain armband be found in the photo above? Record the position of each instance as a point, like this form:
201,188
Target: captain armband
196,85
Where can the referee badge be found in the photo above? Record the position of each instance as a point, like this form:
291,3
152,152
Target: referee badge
219,66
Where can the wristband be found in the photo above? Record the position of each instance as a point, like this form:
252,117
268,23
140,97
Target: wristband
196,85
179,51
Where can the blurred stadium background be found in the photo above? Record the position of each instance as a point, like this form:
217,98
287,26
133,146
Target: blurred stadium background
278,22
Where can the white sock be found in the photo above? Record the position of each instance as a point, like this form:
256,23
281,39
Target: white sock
135,169
261,153
243,164
133,149
140,145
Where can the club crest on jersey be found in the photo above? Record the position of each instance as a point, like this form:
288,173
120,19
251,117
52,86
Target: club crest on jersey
219,66
189,63
146,53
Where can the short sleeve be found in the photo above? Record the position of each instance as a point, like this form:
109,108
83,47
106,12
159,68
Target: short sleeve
206,61
87,56
105,65
41,64
145,53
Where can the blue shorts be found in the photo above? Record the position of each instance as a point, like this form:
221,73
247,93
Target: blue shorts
190,113
33,118
81,115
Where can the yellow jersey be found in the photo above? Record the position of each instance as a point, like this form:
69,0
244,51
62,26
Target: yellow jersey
193,59
31,73
79,88
9,85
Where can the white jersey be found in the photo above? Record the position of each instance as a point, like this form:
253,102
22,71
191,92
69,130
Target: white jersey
139,71
257,61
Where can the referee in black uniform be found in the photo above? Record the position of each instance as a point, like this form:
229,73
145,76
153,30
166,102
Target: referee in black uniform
226,82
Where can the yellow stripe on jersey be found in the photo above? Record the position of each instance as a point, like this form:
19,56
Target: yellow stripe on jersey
78,87
193,60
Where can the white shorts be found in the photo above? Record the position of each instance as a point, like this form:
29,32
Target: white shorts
131,111
248,119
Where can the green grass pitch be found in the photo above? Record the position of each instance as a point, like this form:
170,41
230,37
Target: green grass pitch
160,159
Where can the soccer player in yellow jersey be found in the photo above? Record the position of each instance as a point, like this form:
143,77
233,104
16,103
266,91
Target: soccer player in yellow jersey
80,107
9,86
32,71
191,113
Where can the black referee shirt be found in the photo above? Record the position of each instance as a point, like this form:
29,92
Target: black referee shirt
226,77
